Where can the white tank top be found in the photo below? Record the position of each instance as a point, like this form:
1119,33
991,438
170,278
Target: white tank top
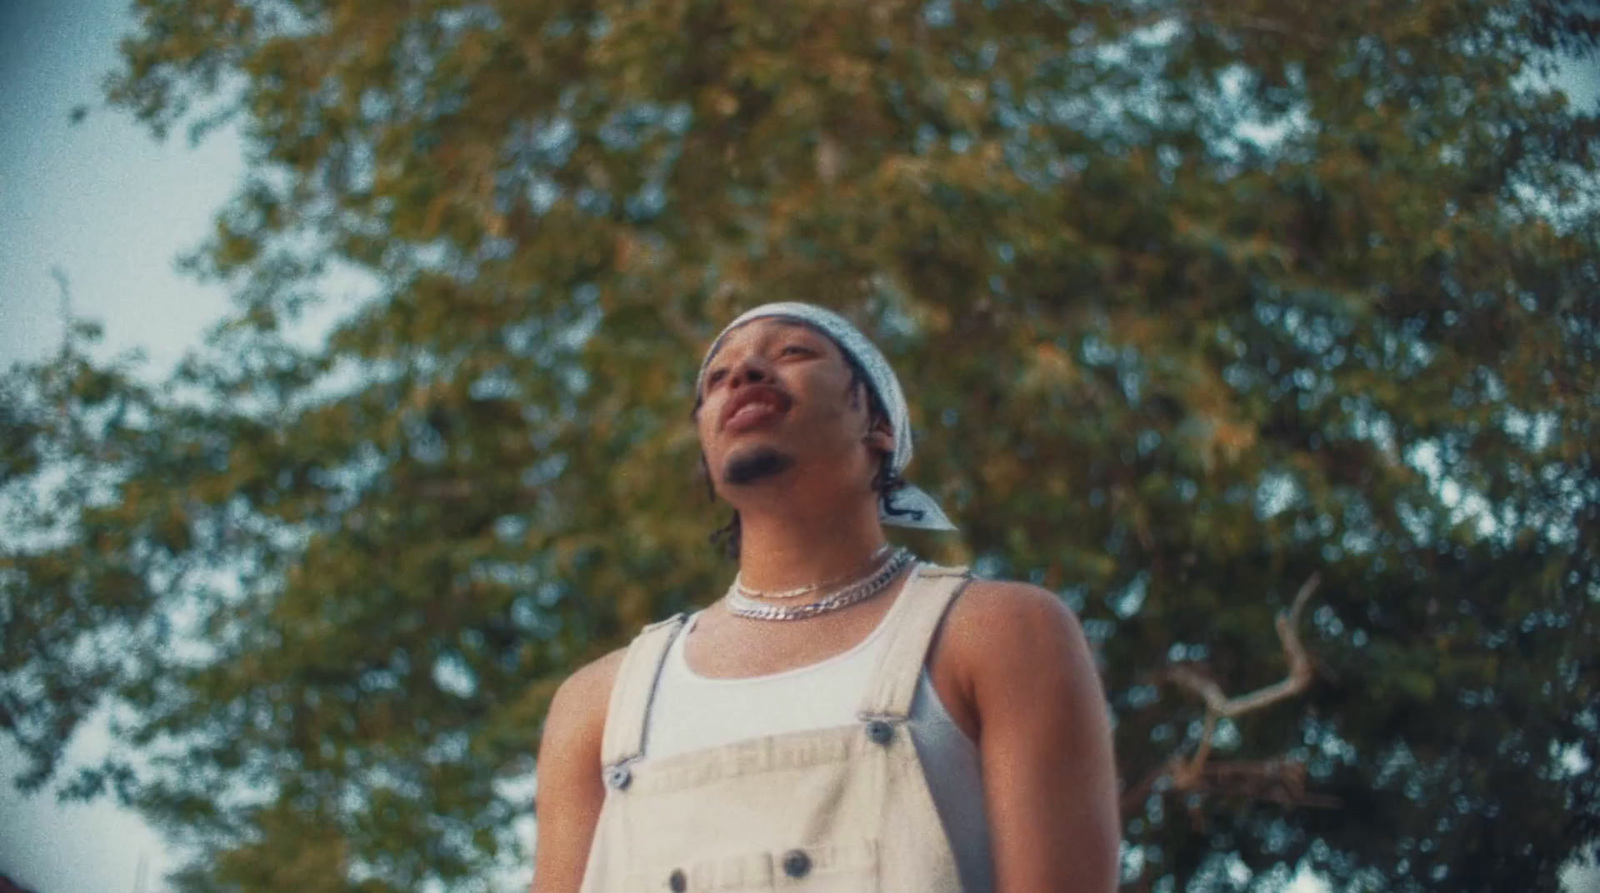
691,712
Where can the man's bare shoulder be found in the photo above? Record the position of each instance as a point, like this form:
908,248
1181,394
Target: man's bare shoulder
1009,621
570,792
1010,604
579,706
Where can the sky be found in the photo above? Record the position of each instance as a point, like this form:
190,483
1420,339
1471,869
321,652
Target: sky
109,209
102,201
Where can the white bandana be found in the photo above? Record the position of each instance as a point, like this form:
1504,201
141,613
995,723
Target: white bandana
921,511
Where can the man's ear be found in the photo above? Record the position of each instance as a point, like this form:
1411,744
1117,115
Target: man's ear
880,437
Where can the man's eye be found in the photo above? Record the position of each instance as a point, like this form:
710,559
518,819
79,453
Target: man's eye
796,348
716,376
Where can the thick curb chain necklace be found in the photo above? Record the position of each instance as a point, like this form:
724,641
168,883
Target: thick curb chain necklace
738,581
740,606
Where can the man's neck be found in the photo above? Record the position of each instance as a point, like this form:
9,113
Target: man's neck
779,551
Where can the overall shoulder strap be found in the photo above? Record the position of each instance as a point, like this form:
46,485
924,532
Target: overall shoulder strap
628,715
927,596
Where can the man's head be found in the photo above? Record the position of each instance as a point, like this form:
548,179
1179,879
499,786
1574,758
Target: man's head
777,392
791,388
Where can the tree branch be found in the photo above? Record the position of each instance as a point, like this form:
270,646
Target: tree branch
1278,780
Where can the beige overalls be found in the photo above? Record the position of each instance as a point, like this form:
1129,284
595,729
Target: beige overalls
840,810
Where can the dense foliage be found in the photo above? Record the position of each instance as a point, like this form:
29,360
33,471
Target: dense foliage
1193,298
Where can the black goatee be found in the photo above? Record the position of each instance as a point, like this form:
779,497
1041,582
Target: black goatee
762,463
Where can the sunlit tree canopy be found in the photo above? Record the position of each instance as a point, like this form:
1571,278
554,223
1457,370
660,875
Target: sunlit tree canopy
1193,300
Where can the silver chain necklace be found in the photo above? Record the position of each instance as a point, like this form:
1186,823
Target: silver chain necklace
738,581
741,606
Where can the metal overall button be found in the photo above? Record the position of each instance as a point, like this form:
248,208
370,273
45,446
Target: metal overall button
676,882
618,777
880,732
796,863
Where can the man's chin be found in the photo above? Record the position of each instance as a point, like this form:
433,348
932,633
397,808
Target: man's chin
755,464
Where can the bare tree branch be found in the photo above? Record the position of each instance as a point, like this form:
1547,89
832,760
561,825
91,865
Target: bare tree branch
1280,781
1299,678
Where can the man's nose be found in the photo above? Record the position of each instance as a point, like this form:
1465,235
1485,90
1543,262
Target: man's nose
748,371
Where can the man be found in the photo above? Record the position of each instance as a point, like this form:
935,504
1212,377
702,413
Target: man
845,719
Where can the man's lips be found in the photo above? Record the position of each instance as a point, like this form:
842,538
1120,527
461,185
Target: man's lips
770,400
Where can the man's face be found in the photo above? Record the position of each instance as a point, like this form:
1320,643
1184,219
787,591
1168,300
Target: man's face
778,394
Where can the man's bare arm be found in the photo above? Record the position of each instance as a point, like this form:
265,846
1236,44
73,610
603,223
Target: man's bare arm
1049,772
570,791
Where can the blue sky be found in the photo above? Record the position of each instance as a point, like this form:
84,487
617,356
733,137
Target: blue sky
102,201
111,209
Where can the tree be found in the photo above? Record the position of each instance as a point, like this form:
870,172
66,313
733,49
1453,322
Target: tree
1196,300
